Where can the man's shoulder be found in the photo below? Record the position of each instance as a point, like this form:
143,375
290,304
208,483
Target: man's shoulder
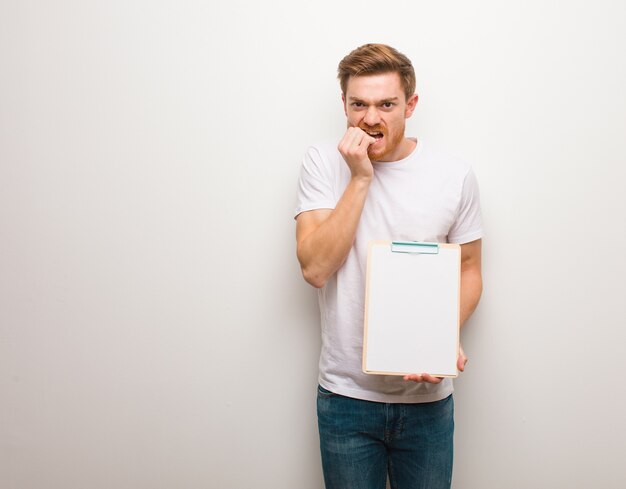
443,159
325,148
324,155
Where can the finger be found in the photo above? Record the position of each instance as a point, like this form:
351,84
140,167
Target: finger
367,139
359,137
462,362
423,378
362,138
414,378
351,135
346,141
431,380
352,140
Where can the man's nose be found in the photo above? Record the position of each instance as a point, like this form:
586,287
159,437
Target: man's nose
371,117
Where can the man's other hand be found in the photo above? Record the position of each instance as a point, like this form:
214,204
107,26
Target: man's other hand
460,365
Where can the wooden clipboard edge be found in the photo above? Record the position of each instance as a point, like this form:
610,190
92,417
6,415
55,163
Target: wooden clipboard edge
443,376
370,245
458,299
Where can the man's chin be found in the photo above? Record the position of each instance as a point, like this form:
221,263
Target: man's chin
376,154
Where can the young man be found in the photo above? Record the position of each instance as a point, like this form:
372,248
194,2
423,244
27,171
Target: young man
378,184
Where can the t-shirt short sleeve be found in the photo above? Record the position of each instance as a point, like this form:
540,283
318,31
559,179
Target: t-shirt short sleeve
315,186
467,226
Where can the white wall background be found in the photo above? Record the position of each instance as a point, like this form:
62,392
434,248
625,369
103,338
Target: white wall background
154,328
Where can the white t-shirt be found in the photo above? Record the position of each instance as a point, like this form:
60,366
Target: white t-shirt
427,196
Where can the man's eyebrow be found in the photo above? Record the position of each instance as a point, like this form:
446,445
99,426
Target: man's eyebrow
383,101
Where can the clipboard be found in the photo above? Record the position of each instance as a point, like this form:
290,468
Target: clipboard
412,308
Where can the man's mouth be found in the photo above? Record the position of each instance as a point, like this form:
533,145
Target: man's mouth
375,134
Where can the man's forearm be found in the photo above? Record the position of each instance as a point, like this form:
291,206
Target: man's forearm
324,246
471,290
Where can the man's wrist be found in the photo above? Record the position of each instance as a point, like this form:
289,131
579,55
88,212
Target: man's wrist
362,180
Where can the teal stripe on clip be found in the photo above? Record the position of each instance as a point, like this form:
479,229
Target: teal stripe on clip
415,247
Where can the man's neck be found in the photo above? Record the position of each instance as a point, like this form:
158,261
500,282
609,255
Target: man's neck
405,148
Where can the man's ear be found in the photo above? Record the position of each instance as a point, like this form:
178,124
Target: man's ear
410,105
343,100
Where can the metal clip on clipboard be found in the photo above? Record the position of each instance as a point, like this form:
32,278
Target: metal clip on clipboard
415,247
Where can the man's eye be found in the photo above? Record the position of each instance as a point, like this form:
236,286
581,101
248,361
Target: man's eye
357,104
388,105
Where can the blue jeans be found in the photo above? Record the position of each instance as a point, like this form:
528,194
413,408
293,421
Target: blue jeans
362,441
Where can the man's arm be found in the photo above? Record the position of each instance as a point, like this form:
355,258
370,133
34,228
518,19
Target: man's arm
471,289
325,236
471,278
